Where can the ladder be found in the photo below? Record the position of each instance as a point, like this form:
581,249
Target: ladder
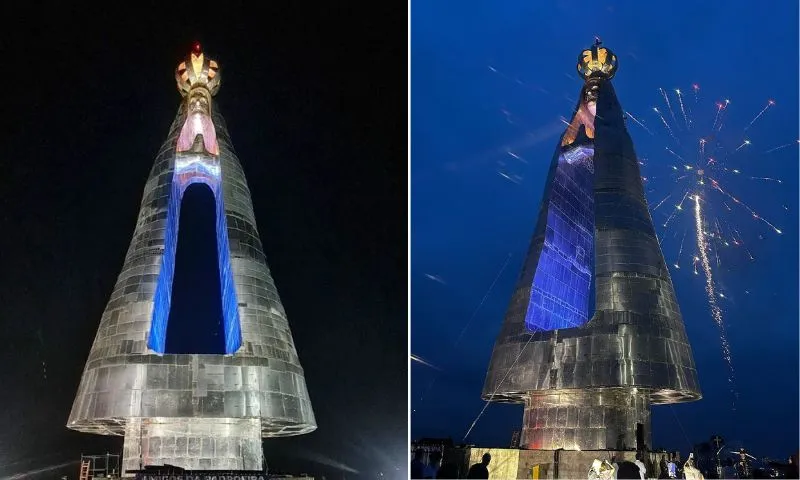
85,464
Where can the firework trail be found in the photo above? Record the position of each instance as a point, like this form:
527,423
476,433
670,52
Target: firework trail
675,211
695,89
675,154
483,300
500,384
716,312
669,106
421,361
755,214
767,179
630,115
701,150
664,121
683,110
680,251
720,108
514,155
744,144
466,326
781,147
769,104
661,202
722,115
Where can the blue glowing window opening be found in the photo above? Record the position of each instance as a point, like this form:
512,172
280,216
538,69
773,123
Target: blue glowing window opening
560,292
191,169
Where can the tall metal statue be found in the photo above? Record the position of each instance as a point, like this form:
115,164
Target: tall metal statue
587,378
199,405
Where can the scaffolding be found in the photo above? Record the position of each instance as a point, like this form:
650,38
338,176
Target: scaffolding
95,467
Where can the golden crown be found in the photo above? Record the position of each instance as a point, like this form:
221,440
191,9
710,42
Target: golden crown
197,71
597,61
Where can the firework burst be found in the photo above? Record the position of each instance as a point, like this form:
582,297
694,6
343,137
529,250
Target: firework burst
689,188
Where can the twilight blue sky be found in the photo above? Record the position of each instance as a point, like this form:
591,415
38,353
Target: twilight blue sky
467,218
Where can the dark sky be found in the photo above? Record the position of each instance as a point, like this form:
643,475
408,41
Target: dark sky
467,218
315,101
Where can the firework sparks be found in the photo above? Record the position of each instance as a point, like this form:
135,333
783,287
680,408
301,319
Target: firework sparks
722,115
683,110
781,147
669,105
767,179
666,125
716,312
721,107
661,202
755,215
770,103
697,171
680,251
674,154
630,115
701,151
744,144
677,209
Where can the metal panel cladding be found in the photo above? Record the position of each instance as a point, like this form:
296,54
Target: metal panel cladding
590,385
197,411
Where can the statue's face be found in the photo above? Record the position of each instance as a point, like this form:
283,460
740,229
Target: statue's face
198,104
591,92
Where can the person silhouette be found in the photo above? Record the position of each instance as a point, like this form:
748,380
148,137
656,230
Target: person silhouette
448,470
642,468
434,463
791,468
480,470
628,470
417,465
662,467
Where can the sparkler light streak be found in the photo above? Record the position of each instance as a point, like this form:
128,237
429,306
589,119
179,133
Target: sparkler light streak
716,312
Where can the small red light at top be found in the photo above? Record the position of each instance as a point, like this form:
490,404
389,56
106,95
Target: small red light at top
197,47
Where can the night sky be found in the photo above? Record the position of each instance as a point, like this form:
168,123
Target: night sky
467,218
315,102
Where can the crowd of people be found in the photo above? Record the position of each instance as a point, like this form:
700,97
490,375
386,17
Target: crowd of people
607,470
669,466
435,469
